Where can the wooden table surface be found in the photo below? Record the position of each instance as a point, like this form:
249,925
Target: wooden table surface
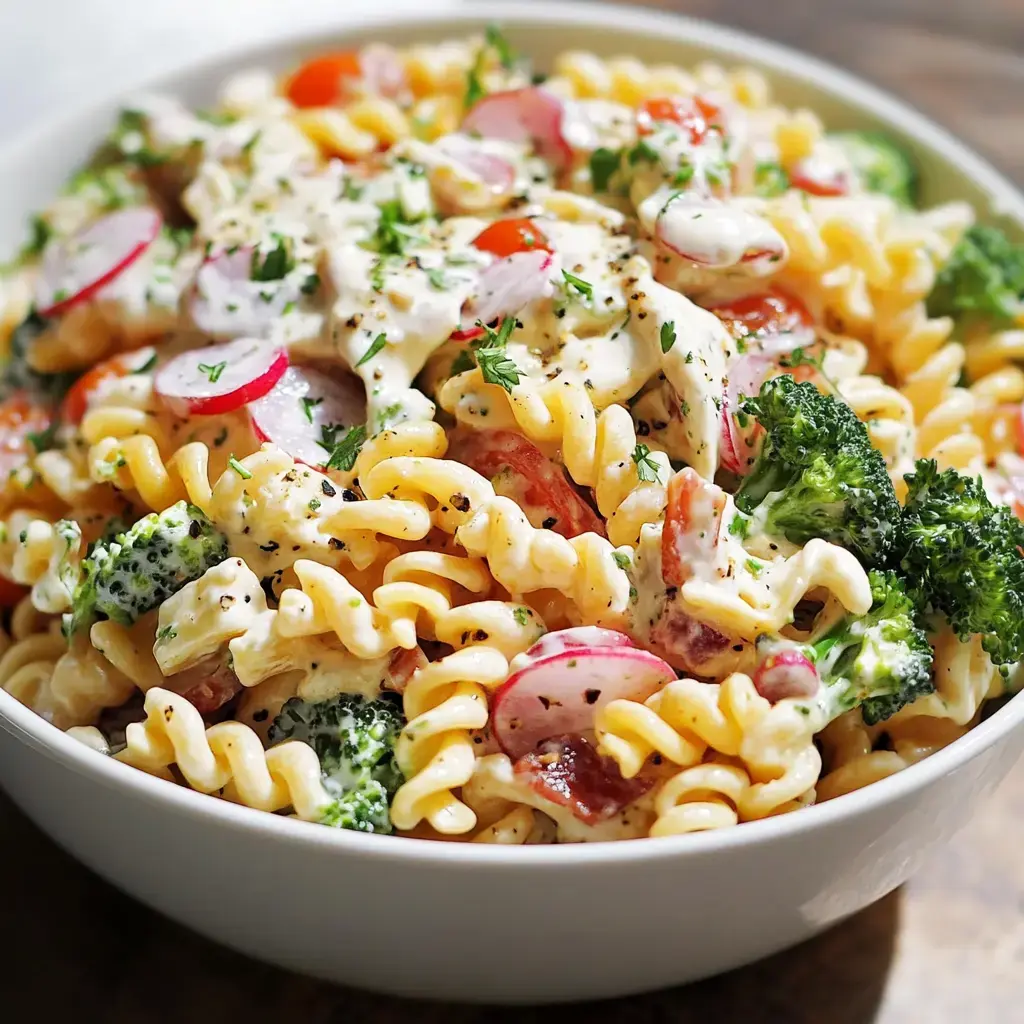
949,946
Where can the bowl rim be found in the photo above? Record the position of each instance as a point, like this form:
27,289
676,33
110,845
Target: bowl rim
721,42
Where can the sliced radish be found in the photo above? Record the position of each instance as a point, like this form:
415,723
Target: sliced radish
228,304
562,640
220,378
529,115
716,234
558,694
820,176
75,269
746,375
785,674
505,287
479,180
304,401
383,70
568,771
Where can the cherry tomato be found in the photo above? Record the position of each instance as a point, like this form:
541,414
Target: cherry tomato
19,418
819,179
766,313
528,477
11,593
505,237
696,114
692,523
320,82
76,401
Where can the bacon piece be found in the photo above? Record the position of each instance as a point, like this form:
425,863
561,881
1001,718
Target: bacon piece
569,772
684,642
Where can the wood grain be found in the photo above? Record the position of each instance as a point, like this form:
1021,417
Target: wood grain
949,947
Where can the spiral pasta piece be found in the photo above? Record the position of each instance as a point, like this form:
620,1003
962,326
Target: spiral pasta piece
228,756
700,798
687,718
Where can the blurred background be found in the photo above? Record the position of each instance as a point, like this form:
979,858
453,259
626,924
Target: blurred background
947,948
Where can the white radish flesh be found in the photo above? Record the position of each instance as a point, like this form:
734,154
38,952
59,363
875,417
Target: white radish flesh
786,674
558,695
718,235
505,287
745,378
227,303
220,378
75,269
523,115
468,178
304,401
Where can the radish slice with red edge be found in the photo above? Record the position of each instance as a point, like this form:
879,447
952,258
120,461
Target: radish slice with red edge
75,269
383,70
304,401
220,378
505,287
558,694
718,235
227,303
746,375
497,176
572,639
529,115
786,674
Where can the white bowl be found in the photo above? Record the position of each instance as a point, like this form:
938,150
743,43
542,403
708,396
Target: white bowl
483,923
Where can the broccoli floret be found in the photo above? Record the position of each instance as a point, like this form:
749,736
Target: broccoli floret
355,741
879,662
880,164
817,474
965,557
984,278
142,567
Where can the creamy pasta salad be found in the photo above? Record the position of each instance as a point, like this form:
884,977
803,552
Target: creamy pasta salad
416,443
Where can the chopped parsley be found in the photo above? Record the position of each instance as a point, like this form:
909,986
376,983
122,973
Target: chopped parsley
770,179
239,468
342,454
668,336
166,633
276,264
375,346
497,368
43,440
754,567
311,284
683,176
314,504
521,615
496,43
604,163
646,467
393,232
462,363
308,405
437,279
643,150
584,288
213,371
622,560
40,233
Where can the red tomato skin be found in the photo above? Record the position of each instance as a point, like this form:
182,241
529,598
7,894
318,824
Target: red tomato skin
320,82
692,523
773,312
505,237
543,483
697,114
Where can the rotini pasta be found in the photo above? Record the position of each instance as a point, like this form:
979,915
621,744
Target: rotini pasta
410,443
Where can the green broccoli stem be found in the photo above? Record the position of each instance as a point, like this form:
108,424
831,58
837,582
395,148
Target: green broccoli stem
764,479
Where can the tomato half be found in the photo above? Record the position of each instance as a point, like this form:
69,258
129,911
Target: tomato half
505,237
521,471
76,401
320,82
766,313
19,417
696,114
